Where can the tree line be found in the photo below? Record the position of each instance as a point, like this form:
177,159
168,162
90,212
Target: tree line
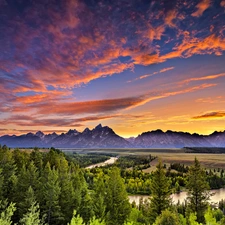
50,188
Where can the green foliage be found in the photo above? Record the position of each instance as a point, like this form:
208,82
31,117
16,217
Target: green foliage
32,217
137,162
135,217
86,207
84,160
46,187
8,168
76,220
99,199
118,207
27,201
198,194
209,219
129,223
49,193
95,221
168,218
192,219
160,192
218,214
6,213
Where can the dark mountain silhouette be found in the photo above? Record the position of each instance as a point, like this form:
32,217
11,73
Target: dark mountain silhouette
105,137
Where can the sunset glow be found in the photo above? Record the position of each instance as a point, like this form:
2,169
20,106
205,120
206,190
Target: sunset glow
134,66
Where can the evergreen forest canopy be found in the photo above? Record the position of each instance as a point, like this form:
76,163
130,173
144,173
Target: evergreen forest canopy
52,188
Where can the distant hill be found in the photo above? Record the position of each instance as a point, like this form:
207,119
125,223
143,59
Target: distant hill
105,137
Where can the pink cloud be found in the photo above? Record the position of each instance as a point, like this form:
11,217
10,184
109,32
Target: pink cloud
222,3
201,7
210,115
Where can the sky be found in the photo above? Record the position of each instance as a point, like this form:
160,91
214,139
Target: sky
133,65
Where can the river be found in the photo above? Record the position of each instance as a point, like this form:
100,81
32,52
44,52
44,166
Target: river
112,160
219,194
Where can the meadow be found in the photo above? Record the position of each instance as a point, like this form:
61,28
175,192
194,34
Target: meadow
168,156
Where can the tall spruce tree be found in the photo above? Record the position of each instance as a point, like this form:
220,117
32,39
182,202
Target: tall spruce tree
28,199
86,208
49,196
9,169
99,199
66,198
160,192
118,206
32,217
198,194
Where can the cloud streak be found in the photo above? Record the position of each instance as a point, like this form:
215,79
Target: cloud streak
205,78
210,115
111,105
149,75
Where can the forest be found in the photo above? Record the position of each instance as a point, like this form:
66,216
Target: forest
54,188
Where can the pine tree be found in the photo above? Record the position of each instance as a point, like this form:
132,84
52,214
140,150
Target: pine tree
1,184
49,196
36,157
99,198
86,207
28,199
198,194
28,177
8,167
160,192
79,186
118,206
32,217
21,158
66,198
6,213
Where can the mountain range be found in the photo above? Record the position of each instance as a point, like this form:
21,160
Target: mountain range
105,137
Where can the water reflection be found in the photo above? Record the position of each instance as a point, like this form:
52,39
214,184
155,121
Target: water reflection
218,195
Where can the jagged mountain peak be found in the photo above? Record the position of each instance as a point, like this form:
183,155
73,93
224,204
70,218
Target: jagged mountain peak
30,134
105,137
72,132
99,126
86,130
39,134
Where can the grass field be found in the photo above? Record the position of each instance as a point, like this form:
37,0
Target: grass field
168,156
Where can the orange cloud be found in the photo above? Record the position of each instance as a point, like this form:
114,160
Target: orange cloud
100,106
96,106
210,115
159,95
193,46
210,77
201,7
23,131
170,17
222,3
211,100
147,59
25,120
